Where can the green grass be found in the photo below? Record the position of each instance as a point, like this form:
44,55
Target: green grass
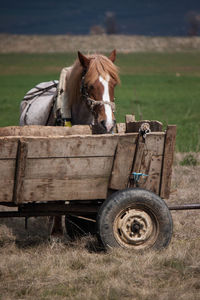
164,87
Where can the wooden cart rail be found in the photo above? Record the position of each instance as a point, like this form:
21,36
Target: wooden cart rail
58,166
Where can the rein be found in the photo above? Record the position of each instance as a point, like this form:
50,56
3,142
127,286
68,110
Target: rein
92,103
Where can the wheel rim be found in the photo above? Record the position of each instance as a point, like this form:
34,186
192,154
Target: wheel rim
135,228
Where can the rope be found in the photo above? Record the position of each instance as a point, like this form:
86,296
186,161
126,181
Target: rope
93,103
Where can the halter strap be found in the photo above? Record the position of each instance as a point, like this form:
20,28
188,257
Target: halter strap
92,102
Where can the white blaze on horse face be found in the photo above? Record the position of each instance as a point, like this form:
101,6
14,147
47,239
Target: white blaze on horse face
106,97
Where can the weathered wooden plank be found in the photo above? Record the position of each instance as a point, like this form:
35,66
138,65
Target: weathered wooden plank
134,126
69,146
121,127
148,160
37,130
7,169
152,182
145,162
7,172
75,146
74,189
154,142
8,147
129,119
68,168
18,189
168,161
138,156
6,190
127,137
122,165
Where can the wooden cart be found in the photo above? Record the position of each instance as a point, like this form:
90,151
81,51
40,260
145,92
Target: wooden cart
69,171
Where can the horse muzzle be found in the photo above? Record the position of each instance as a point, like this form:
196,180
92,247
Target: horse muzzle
107,127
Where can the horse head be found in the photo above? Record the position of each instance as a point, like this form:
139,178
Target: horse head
98,79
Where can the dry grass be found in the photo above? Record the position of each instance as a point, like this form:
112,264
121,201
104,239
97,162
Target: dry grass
90,43
32,268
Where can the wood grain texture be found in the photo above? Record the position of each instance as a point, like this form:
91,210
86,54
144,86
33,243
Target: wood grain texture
37,130
138,156
129,119
122,165
65,189
121,127
68,168
7,169
154,142
148,160
6,190
20,168
152,182
79,167
74,146
170,140
69,146
8,147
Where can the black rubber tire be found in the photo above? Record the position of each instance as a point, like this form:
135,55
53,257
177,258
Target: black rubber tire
123,206
77,227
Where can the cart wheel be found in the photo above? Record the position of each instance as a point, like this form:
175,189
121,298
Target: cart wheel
77,227
134,219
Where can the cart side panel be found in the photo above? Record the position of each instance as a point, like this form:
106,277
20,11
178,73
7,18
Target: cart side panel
122,164
70,189
148,160
8,151
70,168
67,178
8,147
7,168
72,146
168,157
37,130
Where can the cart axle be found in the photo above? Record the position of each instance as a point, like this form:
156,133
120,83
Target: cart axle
185,206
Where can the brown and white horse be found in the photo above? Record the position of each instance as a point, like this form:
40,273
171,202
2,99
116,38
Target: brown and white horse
90,91
90,94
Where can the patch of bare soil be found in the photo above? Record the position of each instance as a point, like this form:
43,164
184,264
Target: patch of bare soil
32,268
95,43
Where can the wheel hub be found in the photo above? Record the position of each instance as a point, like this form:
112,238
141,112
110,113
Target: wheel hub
136,227
133,227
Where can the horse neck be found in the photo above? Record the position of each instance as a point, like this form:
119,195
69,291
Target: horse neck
80,114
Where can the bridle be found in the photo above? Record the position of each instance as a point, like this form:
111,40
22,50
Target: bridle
92,103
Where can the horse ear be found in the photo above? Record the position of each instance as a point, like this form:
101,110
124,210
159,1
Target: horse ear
83,60
112,56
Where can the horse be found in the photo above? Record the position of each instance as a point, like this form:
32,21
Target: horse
88,99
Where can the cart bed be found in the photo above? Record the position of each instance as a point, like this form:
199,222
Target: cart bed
79,166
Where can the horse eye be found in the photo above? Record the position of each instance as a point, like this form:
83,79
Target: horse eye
91,87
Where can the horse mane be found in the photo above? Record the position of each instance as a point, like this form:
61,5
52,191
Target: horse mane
99,65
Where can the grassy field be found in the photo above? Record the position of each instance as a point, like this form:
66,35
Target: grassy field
154,86
162,87
32,268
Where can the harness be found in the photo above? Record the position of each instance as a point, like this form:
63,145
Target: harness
52,93
92,103
39,91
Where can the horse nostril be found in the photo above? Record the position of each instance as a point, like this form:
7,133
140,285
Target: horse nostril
103,124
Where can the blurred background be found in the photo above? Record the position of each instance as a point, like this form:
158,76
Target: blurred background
158,54
152,18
